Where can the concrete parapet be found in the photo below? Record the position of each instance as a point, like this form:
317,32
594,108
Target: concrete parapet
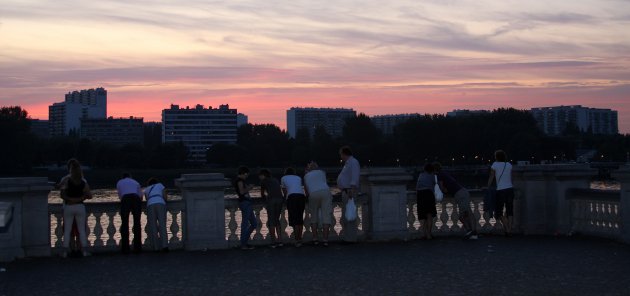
204,219
623,175
28,233
387,200
544,205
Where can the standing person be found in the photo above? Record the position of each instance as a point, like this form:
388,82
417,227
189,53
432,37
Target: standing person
270,189
449,185
501,171
248,218
130,193
348,182
155,195
296,202
319,199
74,190
426,199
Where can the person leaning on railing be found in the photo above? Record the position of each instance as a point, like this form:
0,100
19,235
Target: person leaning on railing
248,218
319,199
74,190
155,195
296,202
271,191
501,171
130,194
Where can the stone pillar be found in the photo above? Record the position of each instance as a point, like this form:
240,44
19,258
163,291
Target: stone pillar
623,175
387,199
543,191
204,219
28,233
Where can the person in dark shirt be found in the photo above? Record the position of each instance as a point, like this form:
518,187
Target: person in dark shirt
270,189
74,190
449,185
248,218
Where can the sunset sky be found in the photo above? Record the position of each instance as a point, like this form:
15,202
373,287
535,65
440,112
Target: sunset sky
263,57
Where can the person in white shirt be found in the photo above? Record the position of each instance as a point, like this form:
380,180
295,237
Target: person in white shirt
348,182
296,202
319,198
130,193
501,171
155,195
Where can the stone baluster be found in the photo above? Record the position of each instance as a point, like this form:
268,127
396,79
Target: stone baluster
258,234
232,225
175,227
98,229
387,198
442,216
334,235
204,221
59,229
284,223
111,229
411,219
308,234
455,219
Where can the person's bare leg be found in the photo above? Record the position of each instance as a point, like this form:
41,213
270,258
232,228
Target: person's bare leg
506,224
278,234
314,230
326,231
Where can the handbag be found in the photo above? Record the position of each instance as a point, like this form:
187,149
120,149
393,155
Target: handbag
439,195
351,211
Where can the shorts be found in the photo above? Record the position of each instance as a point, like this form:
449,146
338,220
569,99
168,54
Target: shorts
504,198
295,206
320,200
462,198
426,203
274,211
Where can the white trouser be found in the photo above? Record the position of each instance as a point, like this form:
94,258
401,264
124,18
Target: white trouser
70,213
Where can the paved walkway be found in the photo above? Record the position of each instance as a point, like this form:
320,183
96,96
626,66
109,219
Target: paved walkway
447,266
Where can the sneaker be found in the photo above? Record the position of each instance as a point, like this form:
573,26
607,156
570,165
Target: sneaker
86,254
473,237
325,243
280,245
298,244
468,234
247,247
274,245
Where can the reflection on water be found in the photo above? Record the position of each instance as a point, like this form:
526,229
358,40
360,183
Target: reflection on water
606,185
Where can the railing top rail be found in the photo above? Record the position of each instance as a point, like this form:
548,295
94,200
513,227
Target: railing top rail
594,194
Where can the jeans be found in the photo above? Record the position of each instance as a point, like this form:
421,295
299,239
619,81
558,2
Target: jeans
248,220
130,203
70,213
156,222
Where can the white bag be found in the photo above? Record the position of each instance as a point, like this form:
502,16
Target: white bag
439,195
351,211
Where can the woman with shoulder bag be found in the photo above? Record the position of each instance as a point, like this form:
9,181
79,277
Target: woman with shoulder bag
501,171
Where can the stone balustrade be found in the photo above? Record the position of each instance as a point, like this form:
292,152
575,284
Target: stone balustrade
103,225
550,200
595,213
261,237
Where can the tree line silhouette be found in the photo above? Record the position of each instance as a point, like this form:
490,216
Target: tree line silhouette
463,140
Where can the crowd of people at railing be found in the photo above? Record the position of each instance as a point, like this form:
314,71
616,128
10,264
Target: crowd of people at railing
296,193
